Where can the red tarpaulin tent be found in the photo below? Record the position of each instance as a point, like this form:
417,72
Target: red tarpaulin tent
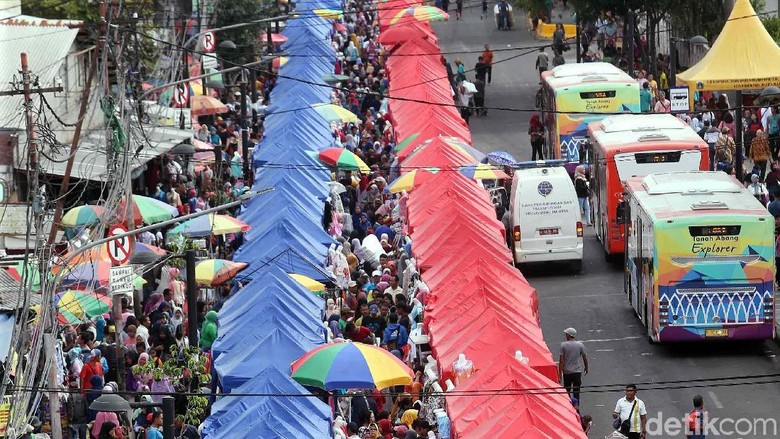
492,335
441,227
437,154
504,414
479,264
447,248
470,206
402,33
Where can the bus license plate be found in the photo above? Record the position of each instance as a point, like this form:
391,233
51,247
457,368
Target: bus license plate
546,232
716,332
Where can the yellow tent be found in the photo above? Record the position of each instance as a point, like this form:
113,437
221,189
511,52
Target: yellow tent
744,57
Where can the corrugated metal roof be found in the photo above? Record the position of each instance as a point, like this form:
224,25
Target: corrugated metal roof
46,47
9,293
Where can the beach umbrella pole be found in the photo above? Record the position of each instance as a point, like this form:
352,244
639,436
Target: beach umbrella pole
192,299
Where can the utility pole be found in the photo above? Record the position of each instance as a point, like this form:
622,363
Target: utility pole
245,130
34,197
77,133
192,299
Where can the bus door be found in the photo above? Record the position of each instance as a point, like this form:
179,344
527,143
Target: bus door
639,267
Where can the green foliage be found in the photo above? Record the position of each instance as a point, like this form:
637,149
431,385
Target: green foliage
186,371
73,10
178,245
772,26
532,6
241,11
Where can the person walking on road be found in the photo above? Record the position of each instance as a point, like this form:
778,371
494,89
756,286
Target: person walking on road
632,415
481,69
696,419
542,62
458,9
487,58
536,131
572,363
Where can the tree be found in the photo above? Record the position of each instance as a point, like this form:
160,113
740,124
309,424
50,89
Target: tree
772,26
231,12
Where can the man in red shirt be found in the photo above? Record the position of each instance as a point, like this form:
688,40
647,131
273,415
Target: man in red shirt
91,368
359,334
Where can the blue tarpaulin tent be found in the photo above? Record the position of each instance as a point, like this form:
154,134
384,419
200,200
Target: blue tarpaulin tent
263,350
268,417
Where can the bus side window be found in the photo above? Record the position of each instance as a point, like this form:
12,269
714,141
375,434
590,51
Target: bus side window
620,214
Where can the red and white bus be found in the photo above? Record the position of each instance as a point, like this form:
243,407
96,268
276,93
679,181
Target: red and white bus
635,145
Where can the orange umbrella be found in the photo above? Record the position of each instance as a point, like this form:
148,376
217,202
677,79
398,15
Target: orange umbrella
201,105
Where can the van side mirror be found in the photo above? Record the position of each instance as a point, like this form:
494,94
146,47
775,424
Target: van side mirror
620,213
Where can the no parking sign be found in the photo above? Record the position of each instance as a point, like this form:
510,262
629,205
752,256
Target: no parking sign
181,95
207,42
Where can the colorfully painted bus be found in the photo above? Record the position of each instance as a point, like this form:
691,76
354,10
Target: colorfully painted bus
635,145
699,258
572,97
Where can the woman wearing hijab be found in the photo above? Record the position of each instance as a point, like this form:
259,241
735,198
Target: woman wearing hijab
131,359
582,187
409,417
536,131
153,303
385,428
760,153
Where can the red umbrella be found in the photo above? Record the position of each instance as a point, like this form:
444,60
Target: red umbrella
339,27
276,39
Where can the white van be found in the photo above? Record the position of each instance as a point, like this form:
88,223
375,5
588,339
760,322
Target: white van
545,217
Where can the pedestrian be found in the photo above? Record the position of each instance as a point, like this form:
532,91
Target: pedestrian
479,97
696,419
572,363
724,150
645,98
558,36
760,153
481,68
582,187
663,105
503,15
630,415
711,136
458,9
542,62
484,10
445,5
460,71
78,413
487,58
536,131
558,59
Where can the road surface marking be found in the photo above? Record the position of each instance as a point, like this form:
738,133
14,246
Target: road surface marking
605,350
715,399
587,295
603,340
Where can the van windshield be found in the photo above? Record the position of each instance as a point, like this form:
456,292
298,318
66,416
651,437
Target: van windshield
640,164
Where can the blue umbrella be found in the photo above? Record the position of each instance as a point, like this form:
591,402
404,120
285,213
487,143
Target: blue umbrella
501,158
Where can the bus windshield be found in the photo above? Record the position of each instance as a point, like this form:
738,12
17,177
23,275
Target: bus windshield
640,164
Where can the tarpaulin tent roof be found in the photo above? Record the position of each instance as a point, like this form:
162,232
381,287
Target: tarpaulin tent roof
478,263
429,228
284,202
305,237
411,31
443,251
466,206
439,234
283,193
744,57
280,253
298,222
274,416
511,415
307,190
427,128
437,154
490,336
271,287
273,348
304,94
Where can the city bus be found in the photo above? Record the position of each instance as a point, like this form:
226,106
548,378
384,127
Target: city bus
699,258
572,97
635,145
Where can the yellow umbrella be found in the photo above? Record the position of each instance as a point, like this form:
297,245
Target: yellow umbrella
411,180
309,283
216,271
335,113
329,14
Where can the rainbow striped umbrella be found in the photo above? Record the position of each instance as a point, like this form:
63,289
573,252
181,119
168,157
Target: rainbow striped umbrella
148,210
403,144
82,216
309,283
216,271
461,145
212,224
279,61
329,14
75,306
350,366
344,159
335,113
411,180
420,13
100,253
482,171
92,275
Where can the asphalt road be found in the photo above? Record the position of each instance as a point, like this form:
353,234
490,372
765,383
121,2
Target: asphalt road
593,302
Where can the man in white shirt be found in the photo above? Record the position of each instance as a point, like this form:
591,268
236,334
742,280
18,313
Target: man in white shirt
632,409
394,288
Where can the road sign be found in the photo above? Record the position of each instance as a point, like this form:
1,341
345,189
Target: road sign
121,279
119,249
208,42
680,99
181,95
209,62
